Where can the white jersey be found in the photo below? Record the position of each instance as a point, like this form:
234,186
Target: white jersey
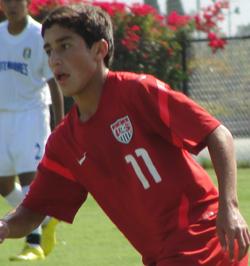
23,69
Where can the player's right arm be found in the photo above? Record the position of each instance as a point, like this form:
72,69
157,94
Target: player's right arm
19,223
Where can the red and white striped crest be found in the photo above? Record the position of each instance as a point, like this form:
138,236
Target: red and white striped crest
122,129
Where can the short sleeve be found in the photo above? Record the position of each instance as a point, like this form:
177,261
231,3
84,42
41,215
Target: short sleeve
44,68
54,191
175,116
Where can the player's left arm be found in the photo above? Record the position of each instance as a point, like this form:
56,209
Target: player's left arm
57,101
231,225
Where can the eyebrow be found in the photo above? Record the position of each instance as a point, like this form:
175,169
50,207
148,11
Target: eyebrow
62,39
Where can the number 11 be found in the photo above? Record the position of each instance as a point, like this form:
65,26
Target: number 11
148,162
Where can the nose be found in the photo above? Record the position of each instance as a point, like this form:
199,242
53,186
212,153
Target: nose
12,3
54,59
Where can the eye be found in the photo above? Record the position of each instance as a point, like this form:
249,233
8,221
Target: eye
48,51
65,45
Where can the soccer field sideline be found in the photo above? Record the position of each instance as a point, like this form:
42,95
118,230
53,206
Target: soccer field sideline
242,151
94,241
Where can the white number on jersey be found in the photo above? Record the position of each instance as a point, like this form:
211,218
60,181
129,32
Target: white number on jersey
149,164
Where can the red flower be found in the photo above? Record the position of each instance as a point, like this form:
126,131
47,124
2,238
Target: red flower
225,4
111,8
207,15
36,6
132,39
135,28
212,36
211,15
142,10
216,42
170,51
123,14
176,20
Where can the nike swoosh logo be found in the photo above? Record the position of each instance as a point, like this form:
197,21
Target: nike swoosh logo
81,161
142,77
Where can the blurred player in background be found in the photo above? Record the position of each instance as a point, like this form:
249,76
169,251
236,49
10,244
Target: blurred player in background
127,141
24,114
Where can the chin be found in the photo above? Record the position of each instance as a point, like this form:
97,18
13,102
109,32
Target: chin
67,94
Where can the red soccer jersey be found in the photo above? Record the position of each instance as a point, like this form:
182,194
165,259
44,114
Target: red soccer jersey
133,156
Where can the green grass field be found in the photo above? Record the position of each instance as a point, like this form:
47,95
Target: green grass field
94,241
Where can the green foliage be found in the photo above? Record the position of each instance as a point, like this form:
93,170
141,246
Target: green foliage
147,41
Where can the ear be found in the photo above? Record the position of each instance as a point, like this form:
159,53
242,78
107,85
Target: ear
100,49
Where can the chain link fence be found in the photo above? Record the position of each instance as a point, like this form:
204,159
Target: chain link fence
220,82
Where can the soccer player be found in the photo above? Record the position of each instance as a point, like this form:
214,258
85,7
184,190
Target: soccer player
128,142
24,114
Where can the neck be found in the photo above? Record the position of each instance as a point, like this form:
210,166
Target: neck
88,101
16,27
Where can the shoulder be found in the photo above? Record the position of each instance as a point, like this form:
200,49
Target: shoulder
3,26
127,78
129,82
34,26
34,37
133,84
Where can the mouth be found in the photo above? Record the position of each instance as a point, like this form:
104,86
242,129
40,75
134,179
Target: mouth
12,13
61,77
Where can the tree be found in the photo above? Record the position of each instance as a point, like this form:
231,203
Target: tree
174,5
152,3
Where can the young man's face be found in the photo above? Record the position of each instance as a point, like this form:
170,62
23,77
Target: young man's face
71,61
15,10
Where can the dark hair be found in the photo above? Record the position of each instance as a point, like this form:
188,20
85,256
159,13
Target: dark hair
90,22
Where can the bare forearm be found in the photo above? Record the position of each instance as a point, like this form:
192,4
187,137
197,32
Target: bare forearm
21,222
230,224
221,149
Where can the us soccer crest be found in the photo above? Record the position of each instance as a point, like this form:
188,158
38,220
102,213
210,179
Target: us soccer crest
26,53
122,130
